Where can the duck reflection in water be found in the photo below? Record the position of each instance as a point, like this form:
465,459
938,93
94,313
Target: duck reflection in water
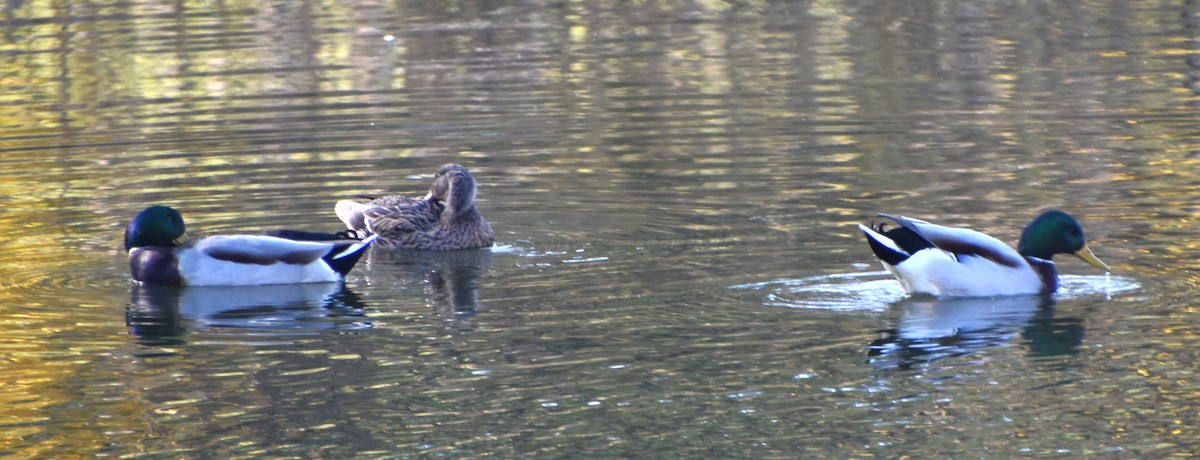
163,314
931,329
451,278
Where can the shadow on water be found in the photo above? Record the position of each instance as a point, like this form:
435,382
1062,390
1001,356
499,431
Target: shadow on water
163,315
929,329
160,315
451,277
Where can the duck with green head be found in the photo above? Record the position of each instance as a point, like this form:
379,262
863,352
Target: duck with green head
958,262
161,253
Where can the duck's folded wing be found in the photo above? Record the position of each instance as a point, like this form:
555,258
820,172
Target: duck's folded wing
304,235
963,241
351,213
398,201
392,220
262,250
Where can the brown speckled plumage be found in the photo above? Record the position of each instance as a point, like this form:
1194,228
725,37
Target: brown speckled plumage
445,219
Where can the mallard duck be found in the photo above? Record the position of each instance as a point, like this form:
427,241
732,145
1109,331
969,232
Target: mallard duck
160,253
958,262
444,219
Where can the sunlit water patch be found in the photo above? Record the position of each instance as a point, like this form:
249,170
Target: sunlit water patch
42,266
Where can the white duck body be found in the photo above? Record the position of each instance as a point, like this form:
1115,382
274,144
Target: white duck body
246,260
942,273
960,262
241,260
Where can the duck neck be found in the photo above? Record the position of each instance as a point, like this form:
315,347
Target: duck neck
453,212
1028,249
1046,271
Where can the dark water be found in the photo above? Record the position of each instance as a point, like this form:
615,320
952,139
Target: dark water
674,187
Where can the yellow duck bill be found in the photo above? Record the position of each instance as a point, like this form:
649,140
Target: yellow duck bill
1085,253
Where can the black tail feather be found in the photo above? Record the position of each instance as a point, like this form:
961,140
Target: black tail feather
884,253
345,263
906,237
908,240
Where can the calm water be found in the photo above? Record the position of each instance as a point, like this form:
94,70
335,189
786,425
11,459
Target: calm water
674,187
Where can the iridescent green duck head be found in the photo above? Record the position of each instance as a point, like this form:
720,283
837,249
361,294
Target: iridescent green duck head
1056,232
155,226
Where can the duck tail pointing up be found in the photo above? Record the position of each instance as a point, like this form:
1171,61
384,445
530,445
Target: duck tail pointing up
343,257
883,247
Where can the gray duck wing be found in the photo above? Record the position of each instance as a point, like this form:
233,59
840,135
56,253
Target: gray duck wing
354,213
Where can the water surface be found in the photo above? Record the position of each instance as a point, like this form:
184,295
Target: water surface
674,188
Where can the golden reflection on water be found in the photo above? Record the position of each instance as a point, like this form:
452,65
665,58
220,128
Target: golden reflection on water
636,158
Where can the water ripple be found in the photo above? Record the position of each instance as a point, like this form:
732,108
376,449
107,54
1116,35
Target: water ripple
871,291
874,291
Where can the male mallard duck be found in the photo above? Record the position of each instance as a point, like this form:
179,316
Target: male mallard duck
444,219
958,262
160,253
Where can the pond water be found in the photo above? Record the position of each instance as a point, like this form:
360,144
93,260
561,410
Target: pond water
674,187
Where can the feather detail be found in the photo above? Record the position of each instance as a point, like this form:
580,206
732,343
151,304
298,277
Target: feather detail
444,219
261,250
962,241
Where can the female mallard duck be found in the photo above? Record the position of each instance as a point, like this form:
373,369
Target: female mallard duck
160,253
957,262
445,219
